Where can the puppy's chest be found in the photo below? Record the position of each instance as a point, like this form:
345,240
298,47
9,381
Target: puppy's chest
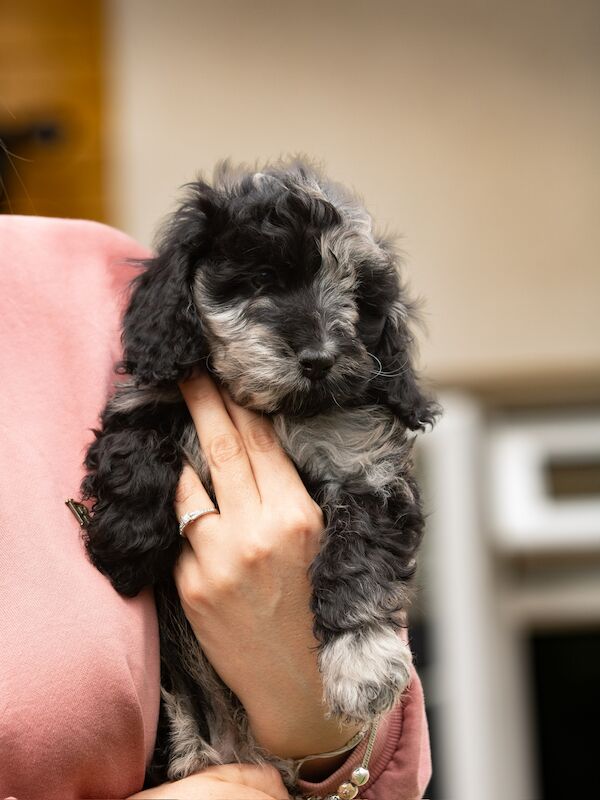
357,443
367,444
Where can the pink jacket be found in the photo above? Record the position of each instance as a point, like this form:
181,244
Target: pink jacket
79,669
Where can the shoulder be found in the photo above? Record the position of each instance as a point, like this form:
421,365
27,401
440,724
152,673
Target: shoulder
84,658
41,251
65,234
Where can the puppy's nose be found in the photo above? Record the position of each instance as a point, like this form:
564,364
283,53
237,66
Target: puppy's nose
315,363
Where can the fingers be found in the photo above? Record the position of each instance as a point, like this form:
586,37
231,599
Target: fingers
275,474
230,468
227,782
264,778
192,496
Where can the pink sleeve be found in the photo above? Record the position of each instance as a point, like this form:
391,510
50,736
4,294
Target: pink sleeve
400,765
79,666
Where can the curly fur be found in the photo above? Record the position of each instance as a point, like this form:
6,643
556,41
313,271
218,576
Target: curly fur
259,277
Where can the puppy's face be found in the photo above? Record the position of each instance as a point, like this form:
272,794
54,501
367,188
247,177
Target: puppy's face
291,296
277,281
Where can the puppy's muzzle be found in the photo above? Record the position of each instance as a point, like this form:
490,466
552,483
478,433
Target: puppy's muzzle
316,363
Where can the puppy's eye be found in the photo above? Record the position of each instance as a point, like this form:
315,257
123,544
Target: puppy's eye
263,278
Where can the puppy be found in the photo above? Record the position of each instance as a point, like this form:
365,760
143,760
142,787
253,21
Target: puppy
276,282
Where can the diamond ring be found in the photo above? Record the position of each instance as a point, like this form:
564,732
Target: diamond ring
192,515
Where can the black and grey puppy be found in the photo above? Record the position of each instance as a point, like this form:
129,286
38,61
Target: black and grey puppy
276,281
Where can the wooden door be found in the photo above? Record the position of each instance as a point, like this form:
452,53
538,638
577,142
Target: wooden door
51,156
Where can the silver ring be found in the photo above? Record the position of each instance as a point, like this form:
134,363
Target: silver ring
192,515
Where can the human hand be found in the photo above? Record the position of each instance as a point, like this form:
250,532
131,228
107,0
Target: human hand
227,782
242,575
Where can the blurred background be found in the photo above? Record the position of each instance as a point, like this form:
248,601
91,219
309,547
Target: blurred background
471,128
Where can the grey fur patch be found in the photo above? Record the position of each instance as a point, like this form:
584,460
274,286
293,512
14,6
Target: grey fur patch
258,367
366,443
364,672
189,751
128,397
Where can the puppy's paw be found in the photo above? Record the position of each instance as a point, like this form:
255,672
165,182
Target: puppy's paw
364,673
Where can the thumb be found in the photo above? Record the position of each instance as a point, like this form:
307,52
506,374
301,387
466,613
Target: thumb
265,778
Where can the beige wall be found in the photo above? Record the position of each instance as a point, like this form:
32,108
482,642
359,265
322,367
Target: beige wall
473,128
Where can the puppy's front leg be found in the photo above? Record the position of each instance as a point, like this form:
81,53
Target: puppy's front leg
360,586
132,477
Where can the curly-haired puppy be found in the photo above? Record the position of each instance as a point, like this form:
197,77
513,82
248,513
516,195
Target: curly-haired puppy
276,281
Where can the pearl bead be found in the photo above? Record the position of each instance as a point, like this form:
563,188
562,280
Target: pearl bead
360,776
347,791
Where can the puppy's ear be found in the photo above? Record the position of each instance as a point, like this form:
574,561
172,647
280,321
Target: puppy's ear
162,333
397,384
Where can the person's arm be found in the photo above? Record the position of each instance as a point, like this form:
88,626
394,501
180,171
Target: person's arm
243,584
227,782
243,575
400,766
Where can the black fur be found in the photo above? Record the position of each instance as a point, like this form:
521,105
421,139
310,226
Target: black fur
250,274
133,469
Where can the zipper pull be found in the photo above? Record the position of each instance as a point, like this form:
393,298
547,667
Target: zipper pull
80,512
